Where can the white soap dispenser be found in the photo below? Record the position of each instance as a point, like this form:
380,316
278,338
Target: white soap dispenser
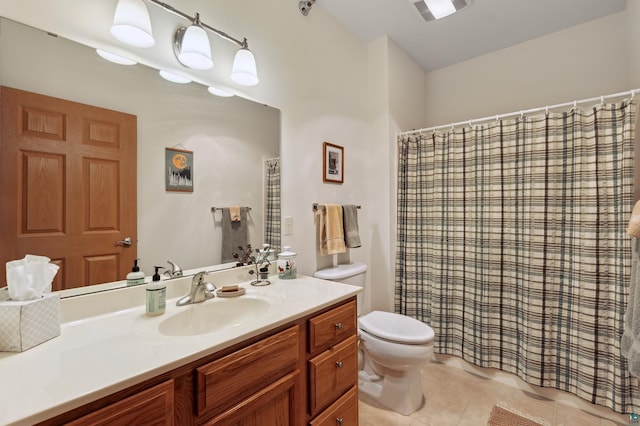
135,277
156,295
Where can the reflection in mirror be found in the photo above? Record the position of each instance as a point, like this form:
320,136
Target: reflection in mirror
235,144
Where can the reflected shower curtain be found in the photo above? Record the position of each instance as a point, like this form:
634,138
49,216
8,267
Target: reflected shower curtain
272,204
512,246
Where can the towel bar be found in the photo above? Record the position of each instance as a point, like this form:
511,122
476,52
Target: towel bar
317,206
214,209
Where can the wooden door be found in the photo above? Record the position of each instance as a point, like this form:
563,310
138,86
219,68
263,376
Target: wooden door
67,186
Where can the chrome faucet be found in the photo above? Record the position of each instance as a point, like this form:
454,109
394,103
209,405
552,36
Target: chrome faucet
175,272
200,291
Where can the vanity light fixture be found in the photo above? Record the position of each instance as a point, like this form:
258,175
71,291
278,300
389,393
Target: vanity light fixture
191,44
174,78
244,67
437,9
117,59
219,92
132,24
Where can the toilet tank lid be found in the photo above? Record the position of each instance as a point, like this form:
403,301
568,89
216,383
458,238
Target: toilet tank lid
396,328
341,272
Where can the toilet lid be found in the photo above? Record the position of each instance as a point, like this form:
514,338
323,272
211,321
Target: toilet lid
396,328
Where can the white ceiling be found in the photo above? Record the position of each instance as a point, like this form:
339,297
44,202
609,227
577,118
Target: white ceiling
482,27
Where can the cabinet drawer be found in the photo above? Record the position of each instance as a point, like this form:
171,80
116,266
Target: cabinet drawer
343,412
329,328
228,380
151,407
332,372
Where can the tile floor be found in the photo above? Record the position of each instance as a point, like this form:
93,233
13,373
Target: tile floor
466,399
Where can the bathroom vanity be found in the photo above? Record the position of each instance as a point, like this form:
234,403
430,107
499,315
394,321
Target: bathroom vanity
280,354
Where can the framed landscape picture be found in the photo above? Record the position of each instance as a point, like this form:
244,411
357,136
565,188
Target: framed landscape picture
178,170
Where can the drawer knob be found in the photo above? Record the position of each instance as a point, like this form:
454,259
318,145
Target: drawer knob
339,326
339,420
339,364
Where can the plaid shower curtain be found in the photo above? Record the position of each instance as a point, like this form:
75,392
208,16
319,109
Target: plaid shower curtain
512,246
272,204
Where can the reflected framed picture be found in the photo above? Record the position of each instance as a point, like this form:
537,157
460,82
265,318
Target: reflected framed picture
178,170
333,165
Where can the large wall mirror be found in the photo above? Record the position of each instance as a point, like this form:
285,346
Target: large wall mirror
232,140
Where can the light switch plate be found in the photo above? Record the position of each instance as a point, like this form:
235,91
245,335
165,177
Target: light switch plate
288,225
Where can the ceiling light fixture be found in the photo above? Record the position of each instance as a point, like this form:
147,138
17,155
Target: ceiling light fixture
437,9
116,59
191,44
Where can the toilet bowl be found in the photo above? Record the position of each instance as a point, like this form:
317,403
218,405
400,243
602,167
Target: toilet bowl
392,347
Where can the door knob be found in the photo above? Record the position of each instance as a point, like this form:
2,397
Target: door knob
124,243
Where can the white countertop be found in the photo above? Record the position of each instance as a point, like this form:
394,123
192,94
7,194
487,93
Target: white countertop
98,355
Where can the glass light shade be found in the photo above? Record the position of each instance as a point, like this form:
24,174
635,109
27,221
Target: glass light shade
440,8
219,92
193,49
174,78
132,24
117,59
244,68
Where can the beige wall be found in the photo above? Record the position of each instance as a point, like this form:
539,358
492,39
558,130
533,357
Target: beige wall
581,62
633,42
395,102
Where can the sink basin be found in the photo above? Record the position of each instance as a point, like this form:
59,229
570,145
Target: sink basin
214,315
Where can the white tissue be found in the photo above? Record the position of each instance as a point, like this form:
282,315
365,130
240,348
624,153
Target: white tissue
30,278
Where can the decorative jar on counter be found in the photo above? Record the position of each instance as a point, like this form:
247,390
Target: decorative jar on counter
287,268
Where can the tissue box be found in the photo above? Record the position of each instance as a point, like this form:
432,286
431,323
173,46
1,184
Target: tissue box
25,324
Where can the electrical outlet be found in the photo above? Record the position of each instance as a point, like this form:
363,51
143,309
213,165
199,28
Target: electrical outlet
288,225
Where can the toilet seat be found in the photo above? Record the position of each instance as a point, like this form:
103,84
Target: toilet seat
396,328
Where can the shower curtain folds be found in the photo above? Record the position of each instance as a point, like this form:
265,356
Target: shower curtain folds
512,246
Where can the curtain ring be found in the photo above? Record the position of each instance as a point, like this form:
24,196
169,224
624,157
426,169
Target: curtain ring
575,104
633,93
601,99
521,114
546,110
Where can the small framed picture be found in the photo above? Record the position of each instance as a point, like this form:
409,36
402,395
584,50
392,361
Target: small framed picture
178,170
333,166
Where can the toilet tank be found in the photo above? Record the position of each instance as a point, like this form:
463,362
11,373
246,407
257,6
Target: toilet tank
348,273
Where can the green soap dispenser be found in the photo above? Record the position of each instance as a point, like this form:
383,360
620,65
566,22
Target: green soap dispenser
156,295
135,277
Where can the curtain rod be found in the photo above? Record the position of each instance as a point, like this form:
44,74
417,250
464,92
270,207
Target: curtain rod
522,112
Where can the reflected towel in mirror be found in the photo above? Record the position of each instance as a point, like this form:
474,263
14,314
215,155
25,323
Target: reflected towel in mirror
234,234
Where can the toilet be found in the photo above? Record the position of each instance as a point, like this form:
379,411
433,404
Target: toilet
392,347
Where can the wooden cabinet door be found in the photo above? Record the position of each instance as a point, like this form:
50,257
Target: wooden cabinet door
273,405
152,407
67,186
